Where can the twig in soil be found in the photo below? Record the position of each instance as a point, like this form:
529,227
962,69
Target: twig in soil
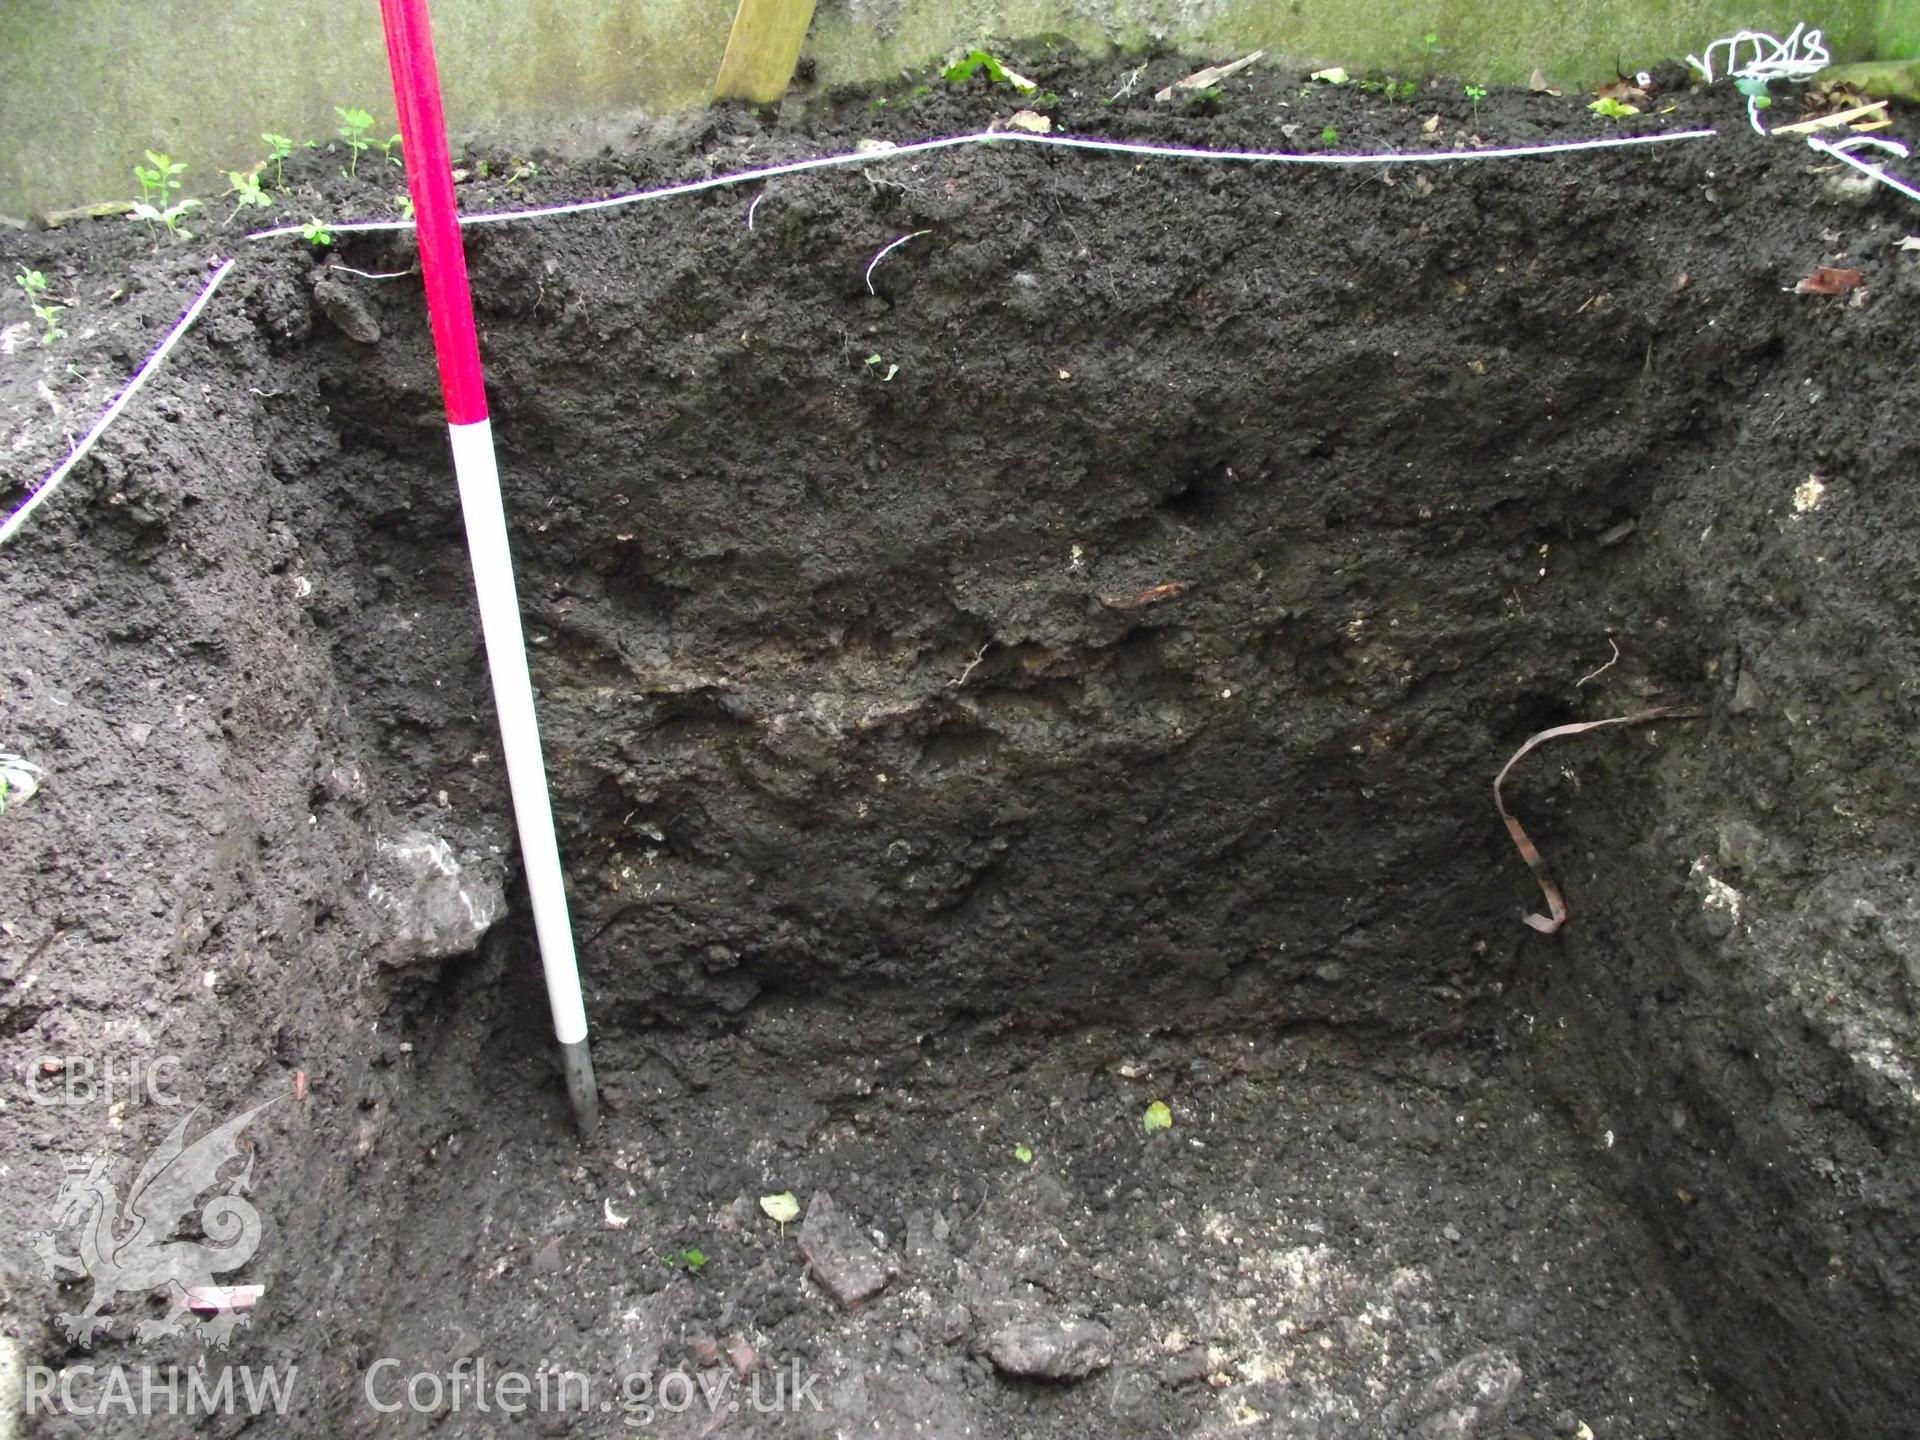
1596,674
1556,904
886,250
754,205
112,413
972,665
1126,85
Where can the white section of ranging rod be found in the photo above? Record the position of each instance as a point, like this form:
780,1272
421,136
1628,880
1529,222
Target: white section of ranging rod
1016,137
478,474
112,412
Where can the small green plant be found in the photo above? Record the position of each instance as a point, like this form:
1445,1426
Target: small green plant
159,178
691,1258
976,61
1476,93
1755,89
1157,1117
874,362
354,125
34,284
1023,1154
245,186
279,151
1428,47
1401,90
316,233
1329,135
405,204
1613,109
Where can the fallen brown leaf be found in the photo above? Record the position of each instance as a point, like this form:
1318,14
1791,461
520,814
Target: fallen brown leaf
1827,280
1431,123
1538,83
1620,90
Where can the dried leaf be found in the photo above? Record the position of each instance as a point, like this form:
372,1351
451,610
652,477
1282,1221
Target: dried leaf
1622,89
783,1208
1333,75
1538,83
1157,1117
1431,123
1827,280
1031,120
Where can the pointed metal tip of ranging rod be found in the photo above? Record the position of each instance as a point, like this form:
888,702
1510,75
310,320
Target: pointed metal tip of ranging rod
578,1062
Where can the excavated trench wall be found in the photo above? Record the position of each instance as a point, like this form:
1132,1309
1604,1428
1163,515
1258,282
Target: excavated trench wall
1120,616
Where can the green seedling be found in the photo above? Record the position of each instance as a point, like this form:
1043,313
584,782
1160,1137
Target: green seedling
34,285
1476,93
1613,109
316,233
405,205
159,178
691,1258
354,125
1158,1117
978,61
874,362
1755,89
169,217
1023,1154
245,186
1401,90
280,149
1329,135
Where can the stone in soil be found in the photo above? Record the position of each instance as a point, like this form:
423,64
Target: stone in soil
843,1260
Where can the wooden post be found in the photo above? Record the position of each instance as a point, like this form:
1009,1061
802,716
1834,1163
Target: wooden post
763,49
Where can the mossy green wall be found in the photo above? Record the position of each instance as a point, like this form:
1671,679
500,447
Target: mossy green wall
87,85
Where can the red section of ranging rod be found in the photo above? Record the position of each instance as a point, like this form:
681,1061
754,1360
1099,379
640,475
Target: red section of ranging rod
443,264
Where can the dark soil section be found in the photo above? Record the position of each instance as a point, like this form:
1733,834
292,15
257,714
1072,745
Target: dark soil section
1068,678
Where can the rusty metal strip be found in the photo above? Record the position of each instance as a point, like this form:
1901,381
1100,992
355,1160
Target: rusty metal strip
1550,923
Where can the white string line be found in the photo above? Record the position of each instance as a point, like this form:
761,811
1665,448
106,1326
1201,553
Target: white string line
1784,63
1844,151
795,167
140,378
1772,59
886,250
1014,137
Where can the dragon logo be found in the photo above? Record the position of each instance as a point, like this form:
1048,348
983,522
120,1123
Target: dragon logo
133,1247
